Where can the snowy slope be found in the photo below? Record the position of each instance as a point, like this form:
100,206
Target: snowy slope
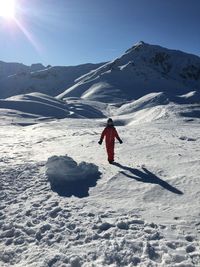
147,101
19,79
143,211
142,69
35,107
152,100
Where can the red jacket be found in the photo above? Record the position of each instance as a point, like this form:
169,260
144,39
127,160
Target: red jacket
110,133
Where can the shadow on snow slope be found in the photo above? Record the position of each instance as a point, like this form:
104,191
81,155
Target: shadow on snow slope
77,188
146,176
68,178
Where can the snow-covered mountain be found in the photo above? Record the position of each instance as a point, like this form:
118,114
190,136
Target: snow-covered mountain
62,203
17,78
146,77
141,70
7,69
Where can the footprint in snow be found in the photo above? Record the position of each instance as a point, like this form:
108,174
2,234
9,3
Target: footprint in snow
185,138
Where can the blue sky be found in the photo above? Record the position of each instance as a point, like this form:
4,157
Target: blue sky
71,32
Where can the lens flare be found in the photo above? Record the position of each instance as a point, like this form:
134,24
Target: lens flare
7,9
28,35
12,13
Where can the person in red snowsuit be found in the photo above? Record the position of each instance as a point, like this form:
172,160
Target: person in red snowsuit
110,133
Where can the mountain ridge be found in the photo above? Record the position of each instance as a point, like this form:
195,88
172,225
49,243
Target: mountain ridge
17,78
142,69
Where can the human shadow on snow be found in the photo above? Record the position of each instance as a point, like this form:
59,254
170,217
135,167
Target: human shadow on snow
146,176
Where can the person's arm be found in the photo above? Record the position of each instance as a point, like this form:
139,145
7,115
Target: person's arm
117,136
102,136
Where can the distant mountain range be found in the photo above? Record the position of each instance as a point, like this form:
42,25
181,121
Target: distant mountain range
145,78
9,69
142,69
16,78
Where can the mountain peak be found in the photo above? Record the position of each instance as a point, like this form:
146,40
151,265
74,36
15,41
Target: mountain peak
136,46
140,43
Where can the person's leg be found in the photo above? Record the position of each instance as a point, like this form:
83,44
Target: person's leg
107,149
110,151
111,156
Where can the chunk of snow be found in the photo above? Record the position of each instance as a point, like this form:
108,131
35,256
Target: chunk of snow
64,168
67,178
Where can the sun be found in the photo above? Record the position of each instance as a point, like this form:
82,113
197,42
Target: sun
7,9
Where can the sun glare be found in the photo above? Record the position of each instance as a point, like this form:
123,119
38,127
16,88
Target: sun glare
7,9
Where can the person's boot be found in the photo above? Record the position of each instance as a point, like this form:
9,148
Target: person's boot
111,161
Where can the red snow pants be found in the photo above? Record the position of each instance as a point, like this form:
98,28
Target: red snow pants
110,133
110,150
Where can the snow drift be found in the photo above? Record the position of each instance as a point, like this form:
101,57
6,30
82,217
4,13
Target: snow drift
67,177
37,104
44,106
192,97
147,101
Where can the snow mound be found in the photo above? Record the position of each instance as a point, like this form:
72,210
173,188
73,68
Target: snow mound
85,108
65,168
148,115
147,101
100,92
192,97
37,104
41,106
68,178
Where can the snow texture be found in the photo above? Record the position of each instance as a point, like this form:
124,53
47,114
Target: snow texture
144,211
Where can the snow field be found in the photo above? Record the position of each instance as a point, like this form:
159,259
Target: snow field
46,230
134,215
61,203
